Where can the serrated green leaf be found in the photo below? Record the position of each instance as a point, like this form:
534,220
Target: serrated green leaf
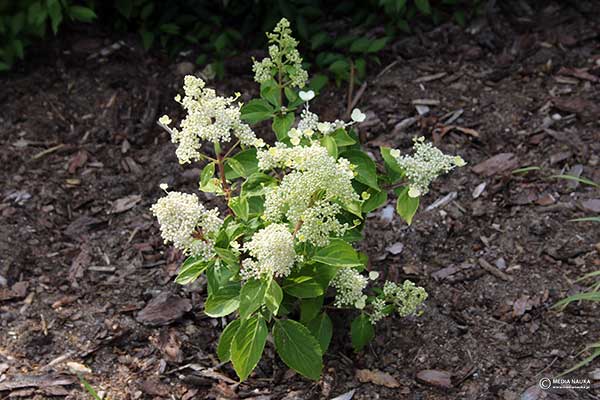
252,297
239,205
191,269
256,110
406,206
366,170
338,253
247,346
269,90
282,124
321,328
376,200
393,170
224,346
81,13
329,143
256,184
310,308
362,332
273,297
223,302
247,164
298,348
311,280
342,138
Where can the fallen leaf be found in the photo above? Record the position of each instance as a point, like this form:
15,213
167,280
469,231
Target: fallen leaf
442,379
155,387
395,248
580,73
377,377
346,396
77,161
545,200
586,109
591,205
521,305
125,203
169,344
164,309
41,381
494,165
78,368
80,262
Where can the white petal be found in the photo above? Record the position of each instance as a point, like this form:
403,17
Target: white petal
306,96
357,115
414,192
373,275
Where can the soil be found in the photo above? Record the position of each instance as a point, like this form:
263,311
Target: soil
81,257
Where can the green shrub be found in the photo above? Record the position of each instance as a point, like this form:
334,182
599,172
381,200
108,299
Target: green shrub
281,256
23,21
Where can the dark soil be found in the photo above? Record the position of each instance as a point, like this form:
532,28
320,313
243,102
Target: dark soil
80,254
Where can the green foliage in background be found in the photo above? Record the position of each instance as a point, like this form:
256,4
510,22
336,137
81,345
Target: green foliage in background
23,21
214,30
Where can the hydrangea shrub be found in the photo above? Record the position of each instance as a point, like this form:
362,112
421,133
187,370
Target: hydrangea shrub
281,254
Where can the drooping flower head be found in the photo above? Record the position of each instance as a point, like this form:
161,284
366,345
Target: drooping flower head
426,164
272,252
349,285
186,223
311,191
209,118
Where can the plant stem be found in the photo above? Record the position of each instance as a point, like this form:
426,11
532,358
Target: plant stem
231,149
224,183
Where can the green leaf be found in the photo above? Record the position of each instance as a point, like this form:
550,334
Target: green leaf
406,206
269,90
586,219
362,332
309,281
256,110
577,179
147,39
227,256
282,124
360,45
239,205
298,348
376,200
208,172
322,329
252,296
256,183
170,29
365,167
273,297
394,171
329,143
223,302
587,296
319,40
310,308
83,14
224,346
318,82
191,269
247,346
338,253
342,138
423,6
377,45
246,164
55,13
124,7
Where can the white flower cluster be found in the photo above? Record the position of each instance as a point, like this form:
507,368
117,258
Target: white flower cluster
182,217
378,311
282,54
406,298
426,164
349,285
209,117
272,250
310,191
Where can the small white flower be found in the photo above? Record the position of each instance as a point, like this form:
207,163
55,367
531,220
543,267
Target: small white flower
295,141
306,96
459,162
414,192
373,275
357,115
165,120
163,186
360,303
395,153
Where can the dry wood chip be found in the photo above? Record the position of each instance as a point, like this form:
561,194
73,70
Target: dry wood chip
442,379
125,203
377,377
